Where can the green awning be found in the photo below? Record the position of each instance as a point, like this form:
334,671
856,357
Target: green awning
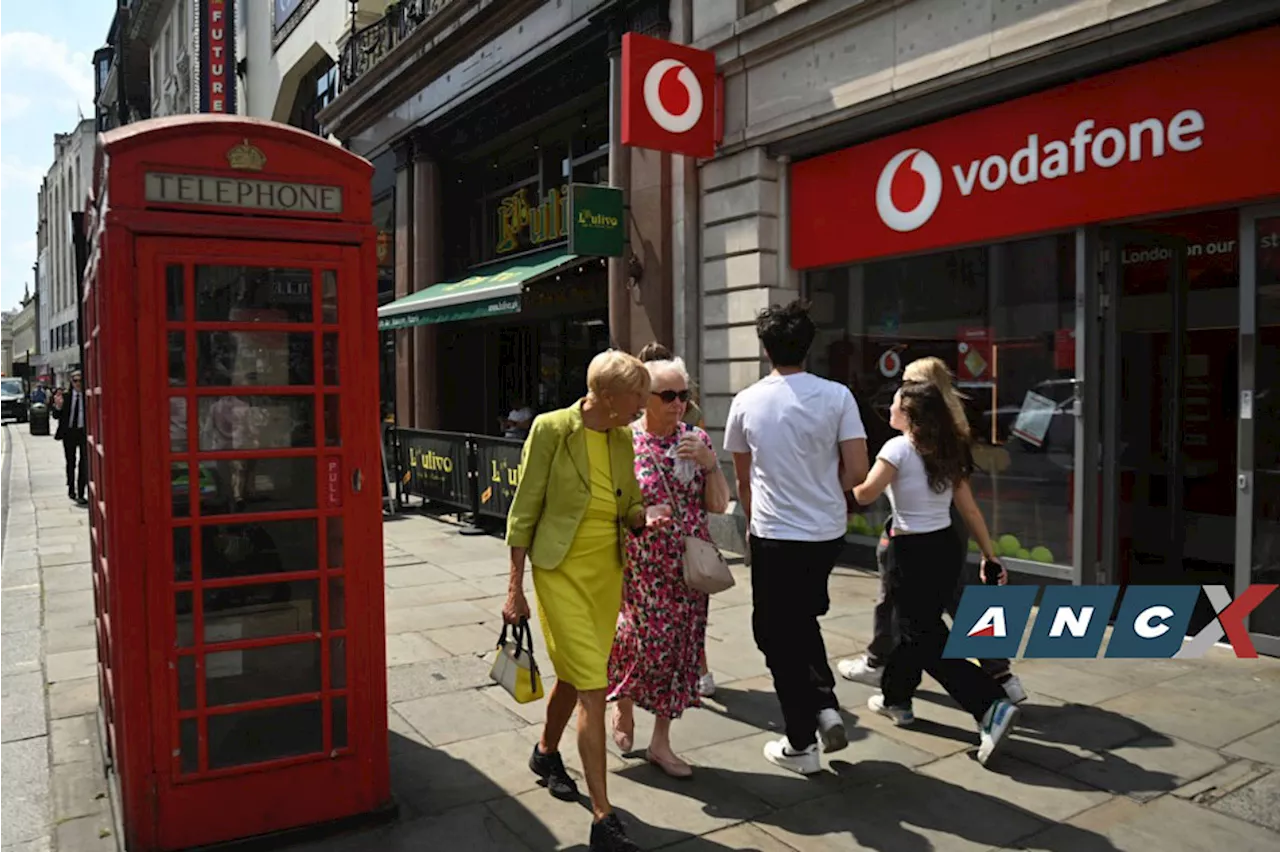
492,291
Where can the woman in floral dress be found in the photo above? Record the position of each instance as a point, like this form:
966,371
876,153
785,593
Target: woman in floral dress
663,622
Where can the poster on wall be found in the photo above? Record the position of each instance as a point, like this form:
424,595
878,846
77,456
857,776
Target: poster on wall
1064,349
973,354
1034,418
216,60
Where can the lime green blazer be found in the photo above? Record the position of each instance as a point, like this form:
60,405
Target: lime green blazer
555,486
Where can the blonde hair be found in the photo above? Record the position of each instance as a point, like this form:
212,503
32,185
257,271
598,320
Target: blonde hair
616,372
934,371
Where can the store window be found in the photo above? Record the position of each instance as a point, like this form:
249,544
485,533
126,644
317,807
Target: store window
1002,317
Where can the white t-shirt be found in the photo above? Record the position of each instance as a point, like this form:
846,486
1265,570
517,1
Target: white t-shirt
917,508
521,418
792,426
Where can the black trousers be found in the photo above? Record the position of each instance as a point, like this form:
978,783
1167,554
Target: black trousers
788,594
73,447
922,571
882,618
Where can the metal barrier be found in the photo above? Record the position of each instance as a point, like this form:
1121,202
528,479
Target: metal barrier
475,474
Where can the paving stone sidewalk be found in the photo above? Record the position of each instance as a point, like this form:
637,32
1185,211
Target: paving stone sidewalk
1110,755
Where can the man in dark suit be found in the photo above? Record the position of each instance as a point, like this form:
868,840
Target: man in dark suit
69,410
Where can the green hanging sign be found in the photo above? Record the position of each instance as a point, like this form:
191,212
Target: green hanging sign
597,227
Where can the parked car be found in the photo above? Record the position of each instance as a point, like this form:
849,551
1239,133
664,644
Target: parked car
13,400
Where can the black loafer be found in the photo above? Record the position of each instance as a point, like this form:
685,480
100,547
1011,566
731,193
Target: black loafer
550,768
608,835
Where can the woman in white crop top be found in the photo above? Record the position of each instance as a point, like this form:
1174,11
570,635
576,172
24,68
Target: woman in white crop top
924,470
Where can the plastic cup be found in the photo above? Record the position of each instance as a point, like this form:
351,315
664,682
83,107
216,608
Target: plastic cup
654,513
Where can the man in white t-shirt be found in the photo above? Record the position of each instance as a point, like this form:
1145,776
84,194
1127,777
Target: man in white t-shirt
517,422
798,445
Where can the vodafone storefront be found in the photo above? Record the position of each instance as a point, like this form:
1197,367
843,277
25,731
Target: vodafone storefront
1099,264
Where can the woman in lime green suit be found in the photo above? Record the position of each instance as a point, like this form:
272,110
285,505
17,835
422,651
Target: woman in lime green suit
576,500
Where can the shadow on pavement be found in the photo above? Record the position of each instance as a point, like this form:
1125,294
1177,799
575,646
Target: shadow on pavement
882,806
442,806
759,708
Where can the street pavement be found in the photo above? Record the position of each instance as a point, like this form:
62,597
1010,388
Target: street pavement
1110,755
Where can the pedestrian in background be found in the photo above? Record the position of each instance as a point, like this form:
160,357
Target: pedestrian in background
69,410
923,470
662,628
869,667
577,492
798,444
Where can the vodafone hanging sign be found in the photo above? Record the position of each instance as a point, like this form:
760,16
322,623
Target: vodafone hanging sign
1190,130
668,96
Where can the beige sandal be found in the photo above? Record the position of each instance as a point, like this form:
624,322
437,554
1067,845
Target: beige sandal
624,740
674,768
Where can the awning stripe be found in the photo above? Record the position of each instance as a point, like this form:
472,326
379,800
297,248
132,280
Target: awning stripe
498,289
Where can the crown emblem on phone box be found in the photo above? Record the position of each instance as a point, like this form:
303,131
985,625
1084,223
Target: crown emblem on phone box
247,157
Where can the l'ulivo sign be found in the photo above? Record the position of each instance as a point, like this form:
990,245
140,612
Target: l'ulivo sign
596,224
593,220
435,467
499,476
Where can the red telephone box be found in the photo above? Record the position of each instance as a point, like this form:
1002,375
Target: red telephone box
231,359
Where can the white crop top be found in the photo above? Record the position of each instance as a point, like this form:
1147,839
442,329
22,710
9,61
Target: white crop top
917,508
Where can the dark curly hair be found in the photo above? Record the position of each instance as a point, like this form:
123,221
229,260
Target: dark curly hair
947,457
787,332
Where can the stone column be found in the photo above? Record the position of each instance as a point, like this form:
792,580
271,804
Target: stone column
620,177
404,282
428,242
649,223
741,200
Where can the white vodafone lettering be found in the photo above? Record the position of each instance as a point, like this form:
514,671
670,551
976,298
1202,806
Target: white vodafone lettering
1105,148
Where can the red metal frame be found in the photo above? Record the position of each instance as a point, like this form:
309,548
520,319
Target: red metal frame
172,799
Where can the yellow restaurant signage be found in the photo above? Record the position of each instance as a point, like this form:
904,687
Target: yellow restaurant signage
545,223
244,193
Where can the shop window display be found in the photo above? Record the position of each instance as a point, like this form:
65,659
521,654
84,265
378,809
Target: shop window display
1002,317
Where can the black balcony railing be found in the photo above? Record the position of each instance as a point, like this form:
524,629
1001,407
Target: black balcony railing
370,44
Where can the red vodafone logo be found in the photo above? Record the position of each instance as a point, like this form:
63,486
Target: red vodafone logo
684,118
1196,129
928,195
668,94
890,363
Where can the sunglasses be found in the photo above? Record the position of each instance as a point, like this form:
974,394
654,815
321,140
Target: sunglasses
670,396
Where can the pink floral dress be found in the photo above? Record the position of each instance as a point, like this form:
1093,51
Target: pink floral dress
663,622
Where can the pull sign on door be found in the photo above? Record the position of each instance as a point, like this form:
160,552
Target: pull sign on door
669,98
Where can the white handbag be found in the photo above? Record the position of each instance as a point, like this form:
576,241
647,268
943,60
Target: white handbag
705,568
514,668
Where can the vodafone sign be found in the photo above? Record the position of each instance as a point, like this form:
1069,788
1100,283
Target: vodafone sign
1191,130
668,96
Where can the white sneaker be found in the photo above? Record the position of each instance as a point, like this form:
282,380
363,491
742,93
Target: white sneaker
1013,688
707,685
831,731
780,753
995,727
901,716
860,670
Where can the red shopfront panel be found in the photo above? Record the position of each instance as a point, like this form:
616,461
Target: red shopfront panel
264,711
1195,129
